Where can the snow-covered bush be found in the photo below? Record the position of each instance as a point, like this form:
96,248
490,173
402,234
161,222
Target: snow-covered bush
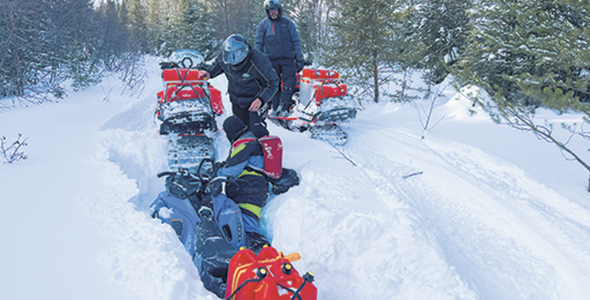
12,152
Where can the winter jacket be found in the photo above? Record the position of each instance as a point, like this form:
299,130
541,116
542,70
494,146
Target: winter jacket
278,38
251,79
250,191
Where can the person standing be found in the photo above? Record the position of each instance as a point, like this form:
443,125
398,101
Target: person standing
277,37
252,82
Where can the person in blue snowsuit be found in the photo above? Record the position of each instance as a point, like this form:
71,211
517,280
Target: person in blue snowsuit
250,191
251,81
277,37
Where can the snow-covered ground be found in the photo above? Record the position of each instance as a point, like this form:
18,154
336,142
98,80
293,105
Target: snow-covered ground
472,211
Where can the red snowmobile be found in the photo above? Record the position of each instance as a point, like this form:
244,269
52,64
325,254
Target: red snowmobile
321,103
187,106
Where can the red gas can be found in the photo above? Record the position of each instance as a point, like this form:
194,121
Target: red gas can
267,276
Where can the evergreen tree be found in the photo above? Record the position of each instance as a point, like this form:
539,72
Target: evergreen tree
138,24
163,21
237,16
20,41
306,15
256,13
199,34
46,43
363,33
112,35
531,52
440,30
527,54
177,24
76,33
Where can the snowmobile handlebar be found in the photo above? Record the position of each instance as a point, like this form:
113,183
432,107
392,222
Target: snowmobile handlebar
166,173
182,172
168,65
197,175
214,187
186,63
225,179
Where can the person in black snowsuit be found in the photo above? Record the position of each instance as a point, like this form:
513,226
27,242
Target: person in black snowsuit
252,82
250,191
277,37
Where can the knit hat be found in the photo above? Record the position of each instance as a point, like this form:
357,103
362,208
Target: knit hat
234,128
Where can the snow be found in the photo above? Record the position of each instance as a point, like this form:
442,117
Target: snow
474,210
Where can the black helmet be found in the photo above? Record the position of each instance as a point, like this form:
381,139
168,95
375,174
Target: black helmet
272,5
234,49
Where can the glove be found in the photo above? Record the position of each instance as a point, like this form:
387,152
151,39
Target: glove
217,166
214,189
300,64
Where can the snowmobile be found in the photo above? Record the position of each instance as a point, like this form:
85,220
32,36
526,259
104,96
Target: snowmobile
321,103
210,227
187,106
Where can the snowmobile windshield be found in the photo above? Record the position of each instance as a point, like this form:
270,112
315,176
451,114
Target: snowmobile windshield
187,58
235,50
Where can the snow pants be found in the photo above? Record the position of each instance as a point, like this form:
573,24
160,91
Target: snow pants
251,216
285,68
256,123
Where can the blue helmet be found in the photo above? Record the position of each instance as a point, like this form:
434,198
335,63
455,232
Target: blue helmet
234,49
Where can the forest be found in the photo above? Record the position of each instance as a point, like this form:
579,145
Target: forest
529,52
523,54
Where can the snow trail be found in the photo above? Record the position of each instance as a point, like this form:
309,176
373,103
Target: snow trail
470,226
473,207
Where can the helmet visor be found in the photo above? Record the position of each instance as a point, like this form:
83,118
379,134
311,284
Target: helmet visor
235,56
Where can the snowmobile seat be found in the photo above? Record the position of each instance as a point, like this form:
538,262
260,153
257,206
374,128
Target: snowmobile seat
324,91
181,75
174,93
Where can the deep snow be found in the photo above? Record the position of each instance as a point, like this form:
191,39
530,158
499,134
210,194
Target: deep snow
494,213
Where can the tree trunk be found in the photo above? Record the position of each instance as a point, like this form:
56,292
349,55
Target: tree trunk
376,77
